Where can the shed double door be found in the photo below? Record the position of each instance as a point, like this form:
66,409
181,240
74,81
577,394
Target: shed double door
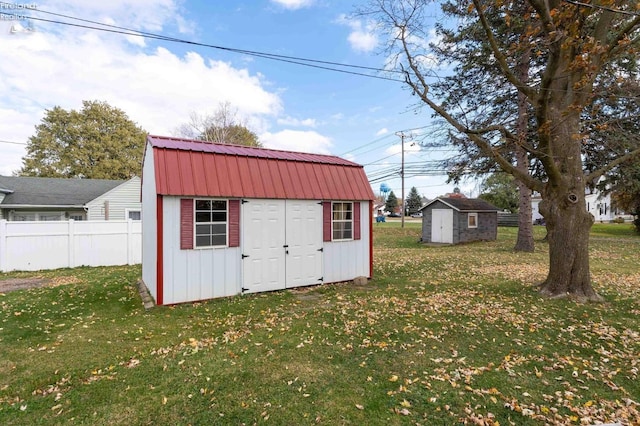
442,226
281,244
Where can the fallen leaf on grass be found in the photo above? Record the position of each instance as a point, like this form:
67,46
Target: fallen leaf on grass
404,412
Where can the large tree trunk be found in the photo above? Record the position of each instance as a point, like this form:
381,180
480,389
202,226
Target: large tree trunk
565,212
568,224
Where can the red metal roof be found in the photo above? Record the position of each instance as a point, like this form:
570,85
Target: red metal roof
203,169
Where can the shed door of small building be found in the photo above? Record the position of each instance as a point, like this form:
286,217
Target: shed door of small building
304,241
263,241
442,226
281,241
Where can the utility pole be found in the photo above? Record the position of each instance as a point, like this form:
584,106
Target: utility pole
401,134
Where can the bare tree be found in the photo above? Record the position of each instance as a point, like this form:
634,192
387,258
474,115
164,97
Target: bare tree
223,126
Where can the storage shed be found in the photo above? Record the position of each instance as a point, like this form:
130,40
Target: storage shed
459,220
220,220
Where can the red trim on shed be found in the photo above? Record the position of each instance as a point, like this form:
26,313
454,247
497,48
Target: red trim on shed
186,224
326,221
234,223
159,251
356,220
370,239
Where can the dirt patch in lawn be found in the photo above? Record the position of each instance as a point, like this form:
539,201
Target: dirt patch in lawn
12,284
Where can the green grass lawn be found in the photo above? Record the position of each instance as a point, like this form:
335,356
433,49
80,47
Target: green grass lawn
441,335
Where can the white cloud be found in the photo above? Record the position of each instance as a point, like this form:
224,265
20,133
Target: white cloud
156,88
362,37
293,4
382,131
297,140
149,15
295,122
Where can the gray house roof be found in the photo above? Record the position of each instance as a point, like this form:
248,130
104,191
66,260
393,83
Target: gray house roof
465,204
36,191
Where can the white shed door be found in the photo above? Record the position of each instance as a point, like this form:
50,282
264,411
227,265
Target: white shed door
281,242
304,241
263,241
442,226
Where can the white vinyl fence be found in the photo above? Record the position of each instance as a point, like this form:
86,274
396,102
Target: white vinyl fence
32,246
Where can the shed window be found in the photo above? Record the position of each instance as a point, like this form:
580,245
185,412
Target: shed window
211,223
342,221
472,221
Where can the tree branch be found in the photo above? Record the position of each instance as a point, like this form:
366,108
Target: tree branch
483,145
626,31
593,176
547,79
501,58
421,88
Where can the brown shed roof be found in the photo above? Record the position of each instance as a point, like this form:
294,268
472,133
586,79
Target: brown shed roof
466,204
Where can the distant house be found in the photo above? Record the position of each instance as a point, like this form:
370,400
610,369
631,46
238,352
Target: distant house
52,199
221,220
459,220
598,204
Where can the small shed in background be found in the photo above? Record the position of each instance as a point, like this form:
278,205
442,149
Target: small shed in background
220,220
459,220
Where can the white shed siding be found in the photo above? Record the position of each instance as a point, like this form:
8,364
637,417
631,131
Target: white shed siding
346,260
198,274
121,198
149,223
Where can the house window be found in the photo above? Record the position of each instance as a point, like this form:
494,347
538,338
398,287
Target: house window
133,214
342,221
50,216
37,216
211,223
472,220
76,216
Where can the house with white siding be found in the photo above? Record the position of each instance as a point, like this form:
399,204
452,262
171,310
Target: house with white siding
221,220
53,199
597,203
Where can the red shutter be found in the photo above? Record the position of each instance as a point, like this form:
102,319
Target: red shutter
326,221
186,224
356,220
234,223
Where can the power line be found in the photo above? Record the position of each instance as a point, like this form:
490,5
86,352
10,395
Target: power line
375,141
265,55
308,62
13,143
236,50
384,137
